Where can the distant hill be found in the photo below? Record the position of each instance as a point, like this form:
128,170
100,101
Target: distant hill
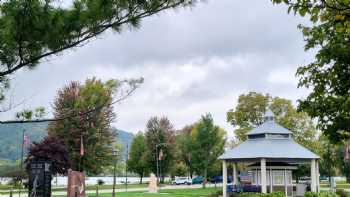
125,138
11,138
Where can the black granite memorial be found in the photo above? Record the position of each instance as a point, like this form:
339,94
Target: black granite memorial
40,179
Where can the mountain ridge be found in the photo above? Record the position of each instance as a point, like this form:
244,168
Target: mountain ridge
11,138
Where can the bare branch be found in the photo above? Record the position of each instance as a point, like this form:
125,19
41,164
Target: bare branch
73,114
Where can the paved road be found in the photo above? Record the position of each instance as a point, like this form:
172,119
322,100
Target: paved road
62,193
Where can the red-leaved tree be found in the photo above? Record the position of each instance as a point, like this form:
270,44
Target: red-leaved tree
50,149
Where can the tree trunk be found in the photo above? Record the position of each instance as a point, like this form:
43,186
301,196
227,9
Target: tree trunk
205,178
141,178
162,179
97,191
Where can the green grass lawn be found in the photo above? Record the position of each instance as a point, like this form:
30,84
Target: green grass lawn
90,187
165,193
339,186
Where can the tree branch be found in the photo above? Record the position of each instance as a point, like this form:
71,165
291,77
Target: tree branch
89,34
73,114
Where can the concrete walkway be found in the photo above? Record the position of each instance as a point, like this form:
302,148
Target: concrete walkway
63,193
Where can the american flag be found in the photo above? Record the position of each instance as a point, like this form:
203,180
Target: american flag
161,155
346,152
26,141
82,151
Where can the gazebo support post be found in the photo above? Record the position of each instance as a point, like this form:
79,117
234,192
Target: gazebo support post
224,178
263,175
313,176
317,177
285,182
234,175
270,178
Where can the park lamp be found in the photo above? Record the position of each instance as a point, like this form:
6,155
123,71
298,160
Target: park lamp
115,153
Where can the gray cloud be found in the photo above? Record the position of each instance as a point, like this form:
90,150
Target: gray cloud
194,61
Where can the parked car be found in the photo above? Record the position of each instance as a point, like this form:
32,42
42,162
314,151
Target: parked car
324,178
251,188
218,179
182,181
197,180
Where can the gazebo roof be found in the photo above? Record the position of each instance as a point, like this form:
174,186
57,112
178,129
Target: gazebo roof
270,149
259,145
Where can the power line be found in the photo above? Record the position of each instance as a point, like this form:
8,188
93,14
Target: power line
73,113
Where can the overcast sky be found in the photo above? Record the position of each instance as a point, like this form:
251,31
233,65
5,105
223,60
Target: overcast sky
194,61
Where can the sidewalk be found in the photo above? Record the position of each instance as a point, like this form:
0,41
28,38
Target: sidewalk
64,193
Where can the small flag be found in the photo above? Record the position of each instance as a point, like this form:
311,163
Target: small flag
161,155
26,140
82,151
346,152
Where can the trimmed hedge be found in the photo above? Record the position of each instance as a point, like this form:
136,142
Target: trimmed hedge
250,194
321,194
275,194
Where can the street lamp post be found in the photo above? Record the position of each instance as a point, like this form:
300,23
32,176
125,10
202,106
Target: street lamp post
115,155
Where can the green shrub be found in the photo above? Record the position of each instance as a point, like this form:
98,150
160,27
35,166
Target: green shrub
100,182
273,194
215,194
341,193
321,194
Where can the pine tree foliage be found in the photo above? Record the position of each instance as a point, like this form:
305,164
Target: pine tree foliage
33,30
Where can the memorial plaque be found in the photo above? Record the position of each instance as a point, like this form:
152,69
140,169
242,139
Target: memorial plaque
76,184
40,179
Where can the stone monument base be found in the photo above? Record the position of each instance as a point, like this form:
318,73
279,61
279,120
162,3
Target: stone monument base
152,186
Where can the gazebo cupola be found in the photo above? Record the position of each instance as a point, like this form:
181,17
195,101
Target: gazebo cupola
269,129
271,154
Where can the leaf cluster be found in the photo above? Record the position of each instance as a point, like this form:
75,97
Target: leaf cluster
328,76
33,30
50,149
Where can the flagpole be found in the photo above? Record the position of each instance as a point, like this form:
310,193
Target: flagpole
126,167
21,165
22,151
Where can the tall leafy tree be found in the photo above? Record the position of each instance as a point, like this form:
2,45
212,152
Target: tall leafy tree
328,76
343,162
208,145
250,111
31,31
87,136
160,139
137,162
329,161
184,147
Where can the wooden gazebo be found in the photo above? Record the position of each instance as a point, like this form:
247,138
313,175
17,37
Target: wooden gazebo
271,155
